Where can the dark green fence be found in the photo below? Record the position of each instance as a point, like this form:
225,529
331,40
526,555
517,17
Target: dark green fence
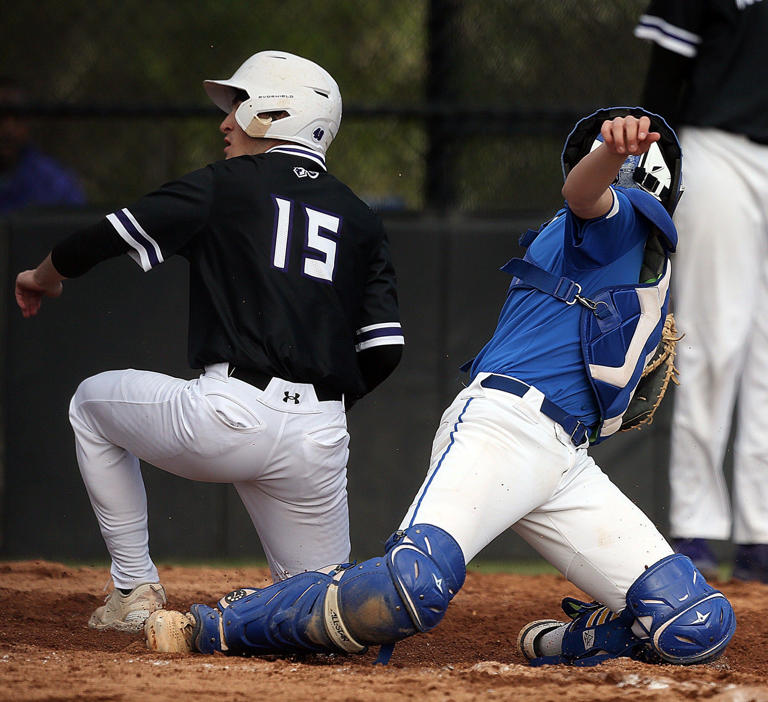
450,105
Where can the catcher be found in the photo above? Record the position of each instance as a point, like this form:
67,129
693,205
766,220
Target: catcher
584,313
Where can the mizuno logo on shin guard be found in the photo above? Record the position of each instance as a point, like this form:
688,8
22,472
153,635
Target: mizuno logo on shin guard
334,626
701,618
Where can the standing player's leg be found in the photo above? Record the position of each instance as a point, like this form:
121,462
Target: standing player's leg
750,456
750,484
714,290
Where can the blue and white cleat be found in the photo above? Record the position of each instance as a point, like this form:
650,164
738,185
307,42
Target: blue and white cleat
594,635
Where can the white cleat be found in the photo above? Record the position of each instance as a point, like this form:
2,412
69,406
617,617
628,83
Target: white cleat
128,612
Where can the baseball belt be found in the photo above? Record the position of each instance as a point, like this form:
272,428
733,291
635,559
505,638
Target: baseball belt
575,428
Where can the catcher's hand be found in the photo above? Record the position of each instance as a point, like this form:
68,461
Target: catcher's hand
169,631
655,380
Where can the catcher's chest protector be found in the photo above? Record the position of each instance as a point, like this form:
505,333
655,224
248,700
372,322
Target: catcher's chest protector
618,338
620,327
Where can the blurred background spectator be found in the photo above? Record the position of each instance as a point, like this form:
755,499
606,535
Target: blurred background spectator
28,176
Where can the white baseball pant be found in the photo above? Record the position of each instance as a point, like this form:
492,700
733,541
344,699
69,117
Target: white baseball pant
719,295
497,463
287,461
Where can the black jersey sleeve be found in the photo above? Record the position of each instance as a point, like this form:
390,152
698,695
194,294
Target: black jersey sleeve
666,84
376,365
81,251
380,323
674,25
161,223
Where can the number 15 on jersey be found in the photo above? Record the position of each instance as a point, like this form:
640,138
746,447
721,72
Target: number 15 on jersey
321,236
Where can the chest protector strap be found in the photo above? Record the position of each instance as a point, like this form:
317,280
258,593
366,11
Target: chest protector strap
562,288
620,327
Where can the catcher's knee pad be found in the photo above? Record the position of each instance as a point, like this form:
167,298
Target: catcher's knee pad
384,600
686,619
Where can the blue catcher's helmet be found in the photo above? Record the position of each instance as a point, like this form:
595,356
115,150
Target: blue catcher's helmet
658,172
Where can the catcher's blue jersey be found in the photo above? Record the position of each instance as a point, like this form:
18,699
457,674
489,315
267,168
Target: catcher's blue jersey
537,338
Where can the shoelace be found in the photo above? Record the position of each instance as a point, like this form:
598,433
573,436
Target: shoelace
106,589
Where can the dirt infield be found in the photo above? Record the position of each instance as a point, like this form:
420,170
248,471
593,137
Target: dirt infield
48,653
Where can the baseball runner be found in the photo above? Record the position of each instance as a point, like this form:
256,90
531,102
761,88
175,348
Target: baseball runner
583,314
293,315
707,73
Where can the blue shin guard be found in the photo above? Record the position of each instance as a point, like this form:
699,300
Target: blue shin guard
380,601
285,617
206,637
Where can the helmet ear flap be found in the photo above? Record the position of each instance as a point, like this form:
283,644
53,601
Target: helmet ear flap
252,123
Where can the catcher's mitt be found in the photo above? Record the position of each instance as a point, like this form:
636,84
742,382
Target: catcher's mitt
169,631
657,375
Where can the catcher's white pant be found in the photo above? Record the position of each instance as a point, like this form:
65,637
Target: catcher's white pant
719,293
287,461
498,462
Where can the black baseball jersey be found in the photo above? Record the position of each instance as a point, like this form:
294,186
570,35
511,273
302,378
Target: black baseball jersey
290,272
724,42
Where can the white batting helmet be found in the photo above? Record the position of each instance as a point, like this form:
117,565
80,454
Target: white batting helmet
276,81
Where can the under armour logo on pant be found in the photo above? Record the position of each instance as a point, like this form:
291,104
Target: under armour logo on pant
294,398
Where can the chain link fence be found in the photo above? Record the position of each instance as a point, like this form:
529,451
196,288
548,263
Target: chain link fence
449,106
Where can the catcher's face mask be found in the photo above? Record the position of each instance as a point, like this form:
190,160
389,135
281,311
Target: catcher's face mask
658,172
